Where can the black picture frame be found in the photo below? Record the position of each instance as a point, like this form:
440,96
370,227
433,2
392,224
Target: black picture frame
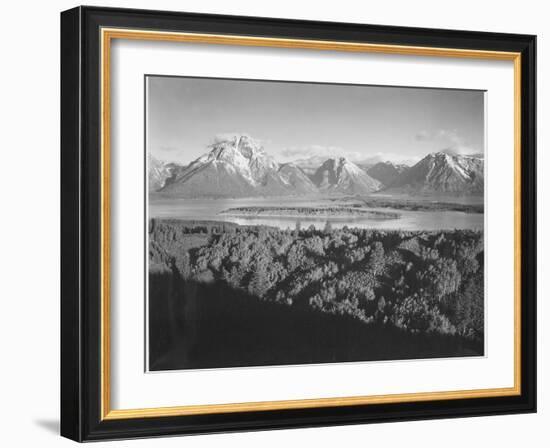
81,413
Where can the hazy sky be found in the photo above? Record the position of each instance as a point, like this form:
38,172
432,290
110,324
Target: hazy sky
298,120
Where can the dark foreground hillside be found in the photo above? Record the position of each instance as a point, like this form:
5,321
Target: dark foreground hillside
222,295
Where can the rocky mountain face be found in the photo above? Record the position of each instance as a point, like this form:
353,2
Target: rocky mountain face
297,178
442,173
161,173
342,176
386,172
236,166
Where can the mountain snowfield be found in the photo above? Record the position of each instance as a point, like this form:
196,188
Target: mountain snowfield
238,166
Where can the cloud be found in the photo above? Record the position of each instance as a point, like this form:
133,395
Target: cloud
169,148
422,136
445,140
390,157
228,136
310,151
440,134
320,151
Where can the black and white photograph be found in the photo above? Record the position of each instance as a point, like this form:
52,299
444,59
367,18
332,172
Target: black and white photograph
303,223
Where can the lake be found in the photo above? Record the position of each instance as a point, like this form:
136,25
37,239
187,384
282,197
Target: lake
209,209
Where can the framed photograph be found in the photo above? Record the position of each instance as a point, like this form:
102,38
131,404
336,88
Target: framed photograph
273,223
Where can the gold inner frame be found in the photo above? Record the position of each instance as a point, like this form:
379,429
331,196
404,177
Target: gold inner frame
107,35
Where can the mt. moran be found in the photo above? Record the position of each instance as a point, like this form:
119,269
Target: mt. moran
238,167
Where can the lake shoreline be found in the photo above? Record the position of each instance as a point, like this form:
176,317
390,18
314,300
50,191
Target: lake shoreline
427,218
308,212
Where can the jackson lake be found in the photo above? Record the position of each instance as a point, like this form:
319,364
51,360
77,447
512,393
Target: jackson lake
398,217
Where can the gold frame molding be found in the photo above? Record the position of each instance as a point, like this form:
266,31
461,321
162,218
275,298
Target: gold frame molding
107,36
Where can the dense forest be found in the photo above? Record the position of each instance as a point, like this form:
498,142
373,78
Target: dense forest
322,212
426,205
223,295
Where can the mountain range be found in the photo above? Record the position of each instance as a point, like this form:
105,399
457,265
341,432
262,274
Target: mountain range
238,166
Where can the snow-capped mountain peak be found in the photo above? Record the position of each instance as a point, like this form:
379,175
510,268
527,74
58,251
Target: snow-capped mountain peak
442,172
238,166
235,166
243,154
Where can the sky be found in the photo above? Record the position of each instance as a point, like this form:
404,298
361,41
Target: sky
300,120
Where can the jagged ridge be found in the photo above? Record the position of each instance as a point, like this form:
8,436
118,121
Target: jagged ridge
442,173
236,166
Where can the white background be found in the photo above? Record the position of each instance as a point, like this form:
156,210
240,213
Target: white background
29,327
132,388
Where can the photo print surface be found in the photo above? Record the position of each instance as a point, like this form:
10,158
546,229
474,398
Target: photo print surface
298,223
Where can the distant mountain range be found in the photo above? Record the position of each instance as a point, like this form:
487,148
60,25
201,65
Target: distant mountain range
238,166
